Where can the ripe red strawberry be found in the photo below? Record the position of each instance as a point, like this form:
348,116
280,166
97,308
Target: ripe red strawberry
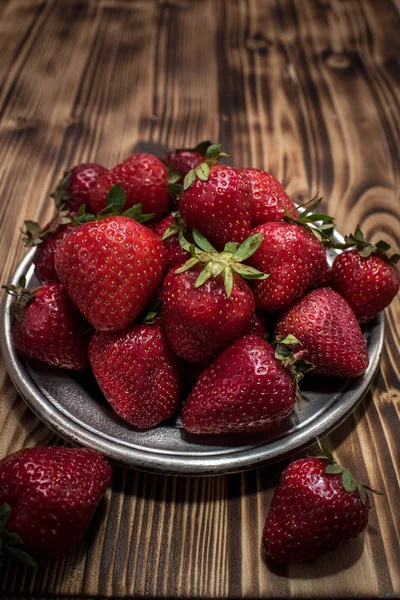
293,256
365,276
137,373
168,230
245,390
73,190
328,332
216,200
184,161
268,198
257,325
144,178
48,496
46,240
48,327
206,309
317,507
324,278
110,269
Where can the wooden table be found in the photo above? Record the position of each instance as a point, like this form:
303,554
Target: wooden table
307,89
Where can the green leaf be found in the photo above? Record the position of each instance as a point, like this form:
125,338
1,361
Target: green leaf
289,339
248,272
214,151
21,555
174,176
366,487
302,367
382,246
326,452
189,264
362,493
358,234
32,227
189,179
231,247
5,514
203,171
248,247
116,198
334,469
183,242
367,250
172,231
148,319
227,276
202,242
349,482
204,275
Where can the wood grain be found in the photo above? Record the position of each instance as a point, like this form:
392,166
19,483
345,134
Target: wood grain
306,89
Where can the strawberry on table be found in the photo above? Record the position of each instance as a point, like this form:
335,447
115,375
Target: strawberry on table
73,190
329,334
216,201
47,326
247,389
206,303
111,265
268,197
317,507
137,373
48,496
144,178
365,276
46,240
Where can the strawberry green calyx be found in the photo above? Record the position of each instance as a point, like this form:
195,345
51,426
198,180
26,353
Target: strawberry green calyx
34,234
349,482
365,249
115,203
224,263
176,227
320,224
213,156
61,194
11,544
201,148
174,187
293,362
23,297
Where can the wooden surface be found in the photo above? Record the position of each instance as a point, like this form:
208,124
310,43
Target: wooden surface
308,89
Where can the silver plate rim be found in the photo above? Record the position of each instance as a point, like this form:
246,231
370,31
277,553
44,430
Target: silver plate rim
168,464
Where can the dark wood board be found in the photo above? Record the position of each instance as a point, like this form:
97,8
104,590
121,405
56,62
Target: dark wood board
308,89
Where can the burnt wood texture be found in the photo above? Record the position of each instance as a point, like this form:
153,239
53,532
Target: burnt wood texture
307,89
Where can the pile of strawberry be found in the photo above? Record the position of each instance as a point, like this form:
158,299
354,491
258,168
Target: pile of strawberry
167,278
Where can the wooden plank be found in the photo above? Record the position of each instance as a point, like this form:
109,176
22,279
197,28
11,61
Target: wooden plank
308,90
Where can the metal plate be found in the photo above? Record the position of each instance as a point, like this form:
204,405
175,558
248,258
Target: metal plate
73,406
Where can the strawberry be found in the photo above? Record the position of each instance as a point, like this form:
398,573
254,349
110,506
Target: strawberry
268,198
47,498
73,190
257,325
328,332
110,267
184,160
137,373
216,200
366,276
168,230
324,278
293,256
205,309
317,507
144,178
46,240
246,389
48,327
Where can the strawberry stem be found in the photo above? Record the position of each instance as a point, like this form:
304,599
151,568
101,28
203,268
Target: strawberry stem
23,297
349,482
320,224
296,365
223,263
34,234
11,543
